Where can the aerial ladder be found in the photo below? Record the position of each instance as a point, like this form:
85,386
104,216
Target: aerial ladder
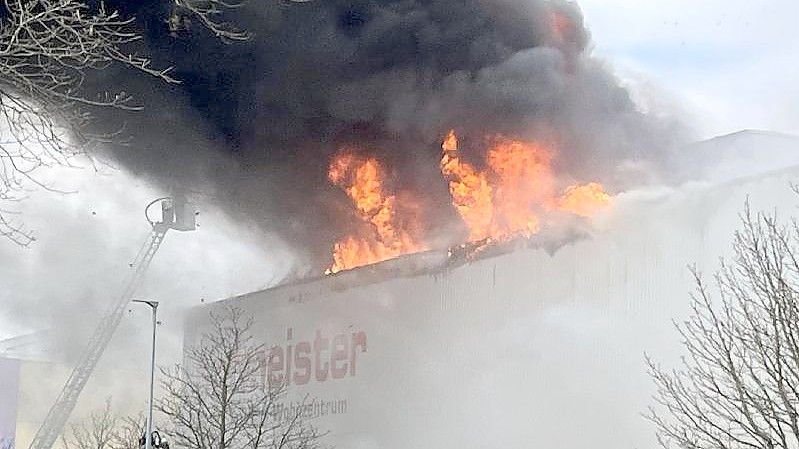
176,214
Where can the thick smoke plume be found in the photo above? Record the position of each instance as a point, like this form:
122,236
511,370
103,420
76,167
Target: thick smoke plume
388,78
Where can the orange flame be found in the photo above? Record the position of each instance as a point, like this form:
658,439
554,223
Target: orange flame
501,202
561,25
362,180
505,200
584,200
524,181
471,193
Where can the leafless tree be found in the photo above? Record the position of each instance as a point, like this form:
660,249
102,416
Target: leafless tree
221,400
129,432
95,433
738,386
47,50
210,13
104,430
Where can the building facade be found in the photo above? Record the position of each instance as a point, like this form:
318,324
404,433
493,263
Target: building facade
542,346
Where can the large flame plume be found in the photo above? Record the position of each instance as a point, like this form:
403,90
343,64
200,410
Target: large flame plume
524,183
505,200
472,196
508,198
385,237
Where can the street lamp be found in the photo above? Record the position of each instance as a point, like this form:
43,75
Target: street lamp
149,432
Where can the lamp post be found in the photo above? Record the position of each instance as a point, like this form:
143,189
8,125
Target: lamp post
149,432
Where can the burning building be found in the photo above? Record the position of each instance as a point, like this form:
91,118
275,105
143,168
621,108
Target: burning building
460,172
326,128
536,341
509,198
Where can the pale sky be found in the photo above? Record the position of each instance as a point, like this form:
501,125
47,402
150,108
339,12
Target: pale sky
731,64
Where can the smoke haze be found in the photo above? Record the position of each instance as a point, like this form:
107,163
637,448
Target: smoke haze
252,127
256,123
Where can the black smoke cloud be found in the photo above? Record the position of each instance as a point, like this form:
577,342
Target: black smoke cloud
255,123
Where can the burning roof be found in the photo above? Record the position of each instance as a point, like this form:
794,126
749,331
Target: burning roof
511,197
374,87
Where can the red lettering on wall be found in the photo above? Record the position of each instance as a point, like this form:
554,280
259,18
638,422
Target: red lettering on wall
302,363
320,344
358,341
275,367
321,359
338,366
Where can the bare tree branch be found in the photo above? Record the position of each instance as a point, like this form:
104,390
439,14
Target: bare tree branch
128,433
47,49
209,13
221,400
738,386
104,430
